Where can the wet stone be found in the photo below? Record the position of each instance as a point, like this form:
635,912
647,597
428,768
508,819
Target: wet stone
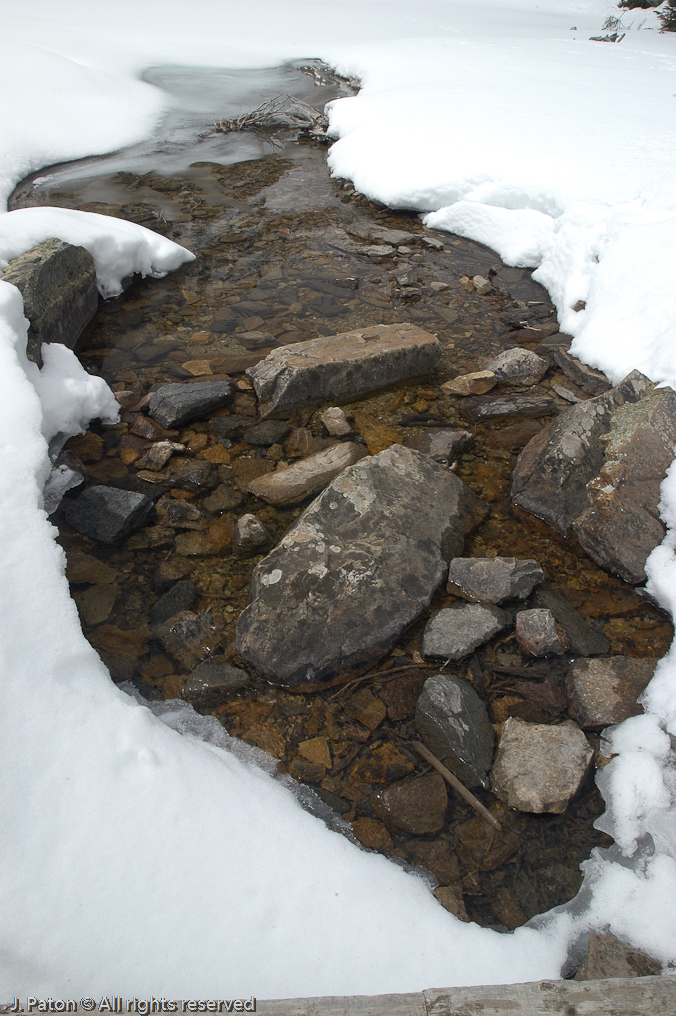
175,404
222,499
381,765
194,475
187,636
266,433
437,856
604,690
539,768
451,899
336,422
515,405
493,579
107,514
342,366
477,383
518,367
366,708
592,382
179,514
443,444
87,568
454,724
249,536
157,456
96,603
180,597
538,634
358,566
417,807
619,535
212,681
608,957
228,426
585,640
454,632
373,835
292,484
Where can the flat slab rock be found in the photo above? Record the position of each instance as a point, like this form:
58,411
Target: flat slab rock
360,564
342,366
454,632
604,690
454,724
292,484
538,767
493,579
175,404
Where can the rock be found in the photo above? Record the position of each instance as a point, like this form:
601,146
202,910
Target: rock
380,765
538,634
128,643
212,681
299,443
107,514
443,444
608,957
342,366
380,234
228,426
249,536
454,632
453,723
194,475
539,768
401,693
481,847
245,470
366,708
96,603
417,807
482,286
292,484
58,285
179,514
157,456
619,536
188,637
471,384
316,749
359,565
567,394
493,579
437,856
87,568
222,499
514,436
450,897
373,835
514,405
266,433
603,691
518,367
336,422
180,597
173,405
506,908
591,381
584,639
551,474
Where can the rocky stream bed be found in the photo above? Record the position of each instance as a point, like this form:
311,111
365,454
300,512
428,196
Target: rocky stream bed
233,473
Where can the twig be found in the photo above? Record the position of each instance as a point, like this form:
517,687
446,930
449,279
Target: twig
456,784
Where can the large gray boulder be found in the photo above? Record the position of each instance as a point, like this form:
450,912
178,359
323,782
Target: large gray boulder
340,367
360,564
597,470
58,283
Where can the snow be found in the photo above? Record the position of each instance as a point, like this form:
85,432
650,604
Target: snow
142,854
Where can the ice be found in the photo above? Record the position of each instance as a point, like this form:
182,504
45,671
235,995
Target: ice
145,853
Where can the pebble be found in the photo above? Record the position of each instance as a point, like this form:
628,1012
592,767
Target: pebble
87,568
336,422
373,835
222,499
518,367
604,690
266,433
539,768
538,634
454,632
188,637
477,383
417,807
159,453
515,405
96,603
454,724
585,640
437,856
443,444
493,579
450,897
108,514
249,536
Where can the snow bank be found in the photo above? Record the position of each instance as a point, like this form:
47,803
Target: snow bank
142,861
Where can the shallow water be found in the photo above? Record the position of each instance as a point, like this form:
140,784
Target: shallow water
279,255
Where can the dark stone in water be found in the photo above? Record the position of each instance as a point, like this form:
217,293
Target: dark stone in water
523,406
266,433
228,426
175,404
584,639
454,724
212,681
108,514
180,597
443,444
360,564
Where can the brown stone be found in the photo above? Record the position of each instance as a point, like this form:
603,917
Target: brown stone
188,637
366,708
515,436
381,765
377,434
608,957
401,694
308,772
128,643
482,846
506,908
316,750
96,603
437,856
245,470
417,807
217,453
451,899
299,443
88,446
291,484
477,383
338,367
197,367
591,381
87,568
373,835
603,691
267,737
224,497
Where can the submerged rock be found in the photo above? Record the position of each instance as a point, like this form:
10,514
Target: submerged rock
418,807
180,597
585,640
538,634
108,514
455,632
175,404
292,484
493,579
539,767
213,680
249,535
443,444
342,366
360,564
477,383
454,724
603,691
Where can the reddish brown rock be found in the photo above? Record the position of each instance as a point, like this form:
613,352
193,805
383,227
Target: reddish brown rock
417,807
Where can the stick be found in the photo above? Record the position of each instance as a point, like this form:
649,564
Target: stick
456,784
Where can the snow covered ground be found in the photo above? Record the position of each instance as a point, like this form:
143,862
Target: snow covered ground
140,860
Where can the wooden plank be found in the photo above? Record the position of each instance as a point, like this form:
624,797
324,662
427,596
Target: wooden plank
616,996
640,996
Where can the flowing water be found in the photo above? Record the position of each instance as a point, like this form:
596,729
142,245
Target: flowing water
282,257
